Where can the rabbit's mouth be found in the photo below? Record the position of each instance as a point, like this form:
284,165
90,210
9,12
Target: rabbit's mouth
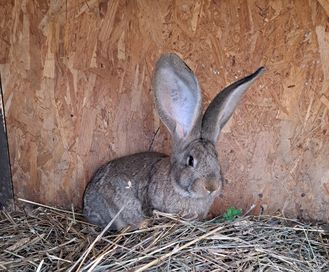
190,192
199,188
202,194
204,188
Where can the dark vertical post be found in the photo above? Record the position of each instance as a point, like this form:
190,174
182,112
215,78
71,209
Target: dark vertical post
6,188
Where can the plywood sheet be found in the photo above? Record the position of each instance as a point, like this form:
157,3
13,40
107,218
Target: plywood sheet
77,93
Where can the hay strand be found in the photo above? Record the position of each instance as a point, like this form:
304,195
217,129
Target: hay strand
47,239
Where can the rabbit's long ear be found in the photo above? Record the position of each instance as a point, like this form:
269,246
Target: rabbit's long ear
177,97
223,105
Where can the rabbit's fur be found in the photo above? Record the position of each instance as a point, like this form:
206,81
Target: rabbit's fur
190,179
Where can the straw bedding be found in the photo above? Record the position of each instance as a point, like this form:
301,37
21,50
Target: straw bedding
48,239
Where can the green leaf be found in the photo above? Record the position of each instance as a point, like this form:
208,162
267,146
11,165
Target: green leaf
231,214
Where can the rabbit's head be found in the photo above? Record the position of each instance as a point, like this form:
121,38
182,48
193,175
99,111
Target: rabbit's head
195,170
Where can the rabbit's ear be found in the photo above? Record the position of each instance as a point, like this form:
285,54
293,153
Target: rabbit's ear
223,105
177,97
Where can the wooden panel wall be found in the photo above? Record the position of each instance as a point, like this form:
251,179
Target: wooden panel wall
77,93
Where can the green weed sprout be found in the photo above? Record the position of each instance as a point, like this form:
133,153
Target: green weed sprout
231,214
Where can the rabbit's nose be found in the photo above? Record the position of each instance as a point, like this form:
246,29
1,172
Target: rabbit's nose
212,185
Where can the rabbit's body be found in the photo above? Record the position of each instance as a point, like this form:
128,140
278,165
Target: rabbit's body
141,182
185,183
126,180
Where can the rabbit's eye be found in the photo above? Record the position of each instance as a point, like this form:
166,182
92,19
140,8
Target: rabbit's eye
190,161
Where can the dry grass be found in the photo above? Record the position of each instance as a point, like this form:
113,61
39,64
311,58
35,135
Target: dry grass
47,239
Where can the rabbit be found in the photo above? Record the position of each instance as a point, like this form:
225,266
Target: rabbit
186,182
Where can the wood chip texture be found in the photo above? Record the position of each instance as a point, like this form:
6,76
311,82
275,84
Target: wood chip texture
77,93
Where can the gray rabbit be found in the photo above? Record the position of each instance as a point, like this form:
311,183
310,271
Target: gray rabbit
188,181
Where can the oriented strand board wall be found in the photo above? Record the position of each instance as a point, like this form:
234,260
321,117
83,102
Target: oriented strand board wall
77,93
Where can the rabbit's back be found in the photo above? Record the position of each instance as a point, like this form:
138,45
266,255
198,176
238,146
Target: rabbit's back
121,182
